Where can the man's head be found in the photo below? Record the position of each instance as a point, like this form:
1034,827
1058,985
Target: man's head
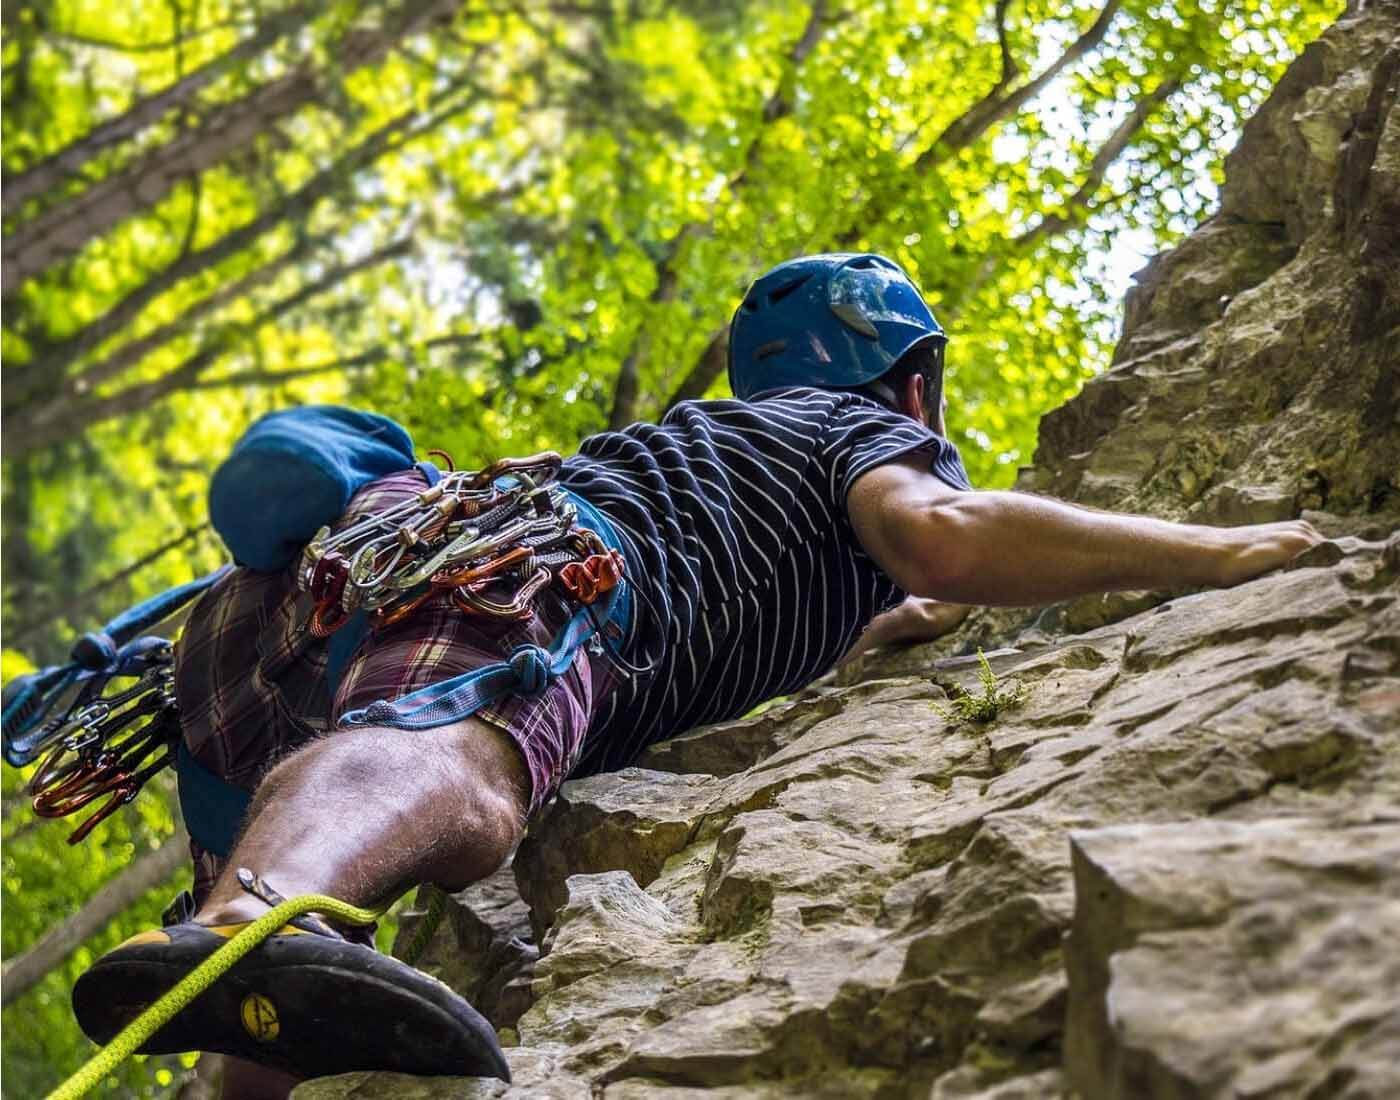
840,321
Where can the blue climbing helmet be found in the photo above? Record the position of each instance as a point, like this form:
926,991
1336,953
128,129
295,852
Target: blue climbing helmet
837,320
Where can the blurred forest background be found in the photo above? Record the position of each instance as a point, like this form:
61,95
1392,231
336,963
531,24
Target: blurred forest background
509,224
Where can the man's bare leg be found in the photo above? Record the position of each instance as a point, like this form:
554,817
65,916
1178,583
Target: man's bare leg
364,815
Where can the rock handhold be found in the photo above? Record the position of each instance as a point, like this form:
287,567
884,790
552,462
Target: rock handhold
1212,958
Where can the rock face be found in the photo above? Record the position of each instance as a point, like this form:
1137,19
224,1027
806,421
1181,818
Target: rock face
1257,371
1173,871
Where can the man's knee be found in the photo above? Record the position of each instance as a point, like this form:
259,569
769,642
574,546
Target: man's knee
471,765
494,780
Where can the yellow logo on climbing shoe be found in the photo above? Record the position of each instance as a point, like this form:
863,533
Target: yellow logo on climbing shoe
259,1017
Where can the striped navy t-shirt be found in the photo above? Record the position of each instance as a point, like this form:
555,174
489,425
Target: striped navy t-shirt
733,521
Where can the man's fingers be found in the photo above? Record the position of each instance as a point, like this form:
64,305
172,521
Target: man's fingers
1262,548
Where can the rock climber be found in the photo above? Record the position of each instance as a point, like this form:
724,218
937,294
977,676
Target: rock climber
761,535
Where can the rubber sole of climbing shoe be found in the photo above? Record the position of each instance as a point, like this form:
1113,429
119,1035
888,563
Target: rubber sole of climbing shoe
299,1002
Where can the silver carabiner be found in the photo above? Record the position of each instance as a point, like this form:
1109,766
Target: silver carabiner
426,568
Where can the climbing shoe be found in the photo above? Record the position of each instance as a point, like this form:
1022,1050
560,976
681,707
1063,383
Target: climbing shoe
308,1003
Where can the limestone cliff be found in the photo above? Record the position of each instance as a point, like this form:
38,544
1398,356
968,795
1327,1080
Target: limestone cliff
1173,871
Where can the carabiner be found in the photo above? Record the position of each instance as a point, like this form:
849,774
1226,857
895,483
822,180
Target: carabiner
547,461
518,608
121,794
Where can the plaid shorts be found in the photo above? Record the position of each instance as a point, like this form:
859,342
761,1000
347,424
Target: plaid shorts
251,678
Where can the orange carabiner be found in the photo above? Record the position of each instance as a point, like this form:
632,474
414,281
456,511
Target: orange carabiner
477,574
596,575
327,618
121,795
519,607
87,783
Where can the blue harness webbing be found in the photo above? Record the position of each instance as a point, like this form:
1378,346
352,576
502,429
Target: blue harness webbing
214,808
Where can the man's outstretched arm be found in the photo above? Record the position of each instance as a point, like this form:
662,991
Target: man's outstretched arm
1014,549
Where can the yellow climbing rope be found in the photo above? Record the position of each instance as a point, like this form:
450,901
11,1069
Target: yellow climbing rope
201,978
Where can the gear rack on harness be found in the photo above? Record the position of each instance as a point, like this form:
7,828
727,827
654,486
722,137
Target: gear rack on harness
470,531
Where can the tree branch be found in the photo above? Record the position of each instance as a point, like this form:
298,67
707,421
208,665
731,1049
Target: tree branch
23,972
293,208
267,377
778,105
994,106
66,606
62,230
1110,151
131,353
1075,208
376,354
56,169
95,42
1009,69
64,417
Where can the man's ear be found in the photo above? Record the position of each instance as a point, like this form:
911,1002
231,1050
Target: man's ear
911,401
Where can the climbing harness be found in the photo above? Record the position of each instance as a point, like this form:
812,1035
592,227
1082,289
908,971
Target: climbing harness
508,525
495,541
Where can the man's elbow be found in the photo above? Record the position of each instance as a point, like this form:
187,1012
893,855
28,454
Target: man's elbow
944,556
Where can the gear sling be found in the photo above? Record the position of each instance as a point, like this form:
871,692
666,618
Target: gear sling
273,501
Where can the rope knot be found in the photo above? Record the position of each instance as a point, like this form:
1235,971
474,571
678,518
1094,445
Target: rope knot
530,664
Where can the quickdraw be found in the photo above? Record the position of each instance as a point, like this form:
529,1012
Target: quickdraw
506,527
108,746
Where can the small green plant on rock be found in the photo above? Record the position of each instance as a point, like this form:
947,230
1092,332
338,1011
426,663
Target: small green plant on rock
985,705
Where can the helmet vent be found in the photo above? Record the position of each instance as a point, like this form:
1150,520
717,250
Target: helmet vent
773,347
783,291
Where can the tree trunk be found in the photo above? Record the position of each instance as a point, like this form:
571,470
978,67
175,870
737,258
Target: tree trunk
65,417
35,381
294,207
21,973
713,362
777,106
56,169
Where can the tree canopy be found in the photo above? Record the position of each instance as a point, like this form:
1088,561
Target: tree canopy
513,223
